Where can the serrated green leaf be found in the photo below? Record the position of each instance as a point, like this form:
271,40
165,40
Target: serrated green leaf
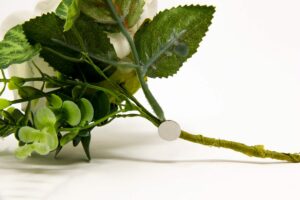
173,36
69,11
15,49
48,31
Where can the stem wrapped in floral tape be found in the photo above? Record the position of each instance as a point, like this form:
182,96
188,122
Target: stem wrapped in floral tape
252,151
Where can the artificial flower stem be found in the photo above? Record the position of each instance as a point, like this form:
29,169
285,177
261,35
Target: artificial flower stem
151,99
252,151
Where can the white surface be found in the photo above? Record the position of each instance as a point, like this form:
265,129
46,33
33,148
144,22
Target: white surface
243,85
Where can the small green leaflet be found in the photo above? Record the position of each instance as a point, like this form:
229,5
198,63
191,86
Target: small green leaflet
15,49
130,10
173,36
68,10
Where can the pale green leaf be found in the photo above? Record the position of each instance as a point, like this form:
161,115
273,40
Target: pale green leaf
69,11
15,49
44,117
28,134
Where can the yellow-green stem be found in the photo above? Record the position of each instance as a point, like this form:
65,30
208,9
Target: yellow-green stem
252,151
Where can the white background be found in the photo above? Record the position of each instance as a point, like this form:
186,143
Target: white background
243,84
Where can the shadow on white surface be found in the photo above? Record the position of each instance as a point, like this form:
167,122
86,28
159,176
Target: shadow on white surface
113,146
118,155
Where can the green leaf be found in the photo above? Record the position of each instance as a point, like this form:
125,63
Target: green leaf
69,11
77,91
17,115
126,78
7,123
87,111
49,137
68,138
48,31
7,116
4,103
15,83
44,117
15,49
100,104
130,10
76,140
28,134
97,10
173,36
85,141
40,148
41,141
63,9
54,101
71,113
27,92
25,151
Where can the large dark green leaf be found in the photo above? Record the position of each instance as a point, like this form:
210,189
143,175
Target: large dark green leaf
48,31
15,48
171,38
